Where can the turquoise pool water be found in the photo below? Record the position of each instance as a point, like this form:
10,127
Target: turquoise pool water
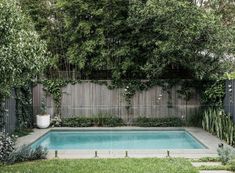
60,140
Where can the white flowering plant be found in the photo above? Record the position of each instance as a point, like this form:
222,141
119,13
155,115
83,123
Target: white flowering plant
7,146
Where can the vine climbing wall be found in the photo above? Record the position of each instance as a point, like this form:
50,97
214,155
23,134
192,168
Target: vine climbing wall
89,99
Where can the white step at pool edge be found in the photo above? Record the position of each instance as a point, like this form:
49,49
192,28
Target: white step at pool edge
198,164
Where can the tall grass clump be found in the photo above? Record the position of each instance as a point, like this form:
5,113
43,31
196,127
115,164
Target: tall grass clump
220,124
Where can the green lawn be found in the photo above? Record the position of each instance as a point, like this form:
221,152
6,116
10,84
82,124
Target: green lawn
129,165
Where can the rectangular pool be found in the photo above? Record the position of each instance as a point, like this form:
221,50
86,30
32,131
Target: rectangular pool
118,139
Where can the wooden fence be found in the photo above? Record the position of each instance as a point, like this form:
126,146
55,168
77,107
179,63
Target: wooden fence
89,99
229,101
9,115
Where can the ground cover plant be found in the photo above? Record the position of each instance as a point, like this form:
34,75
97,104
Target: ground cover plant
149,165
10,154
7,146
26,153
22,132
158,122
112,121
104,121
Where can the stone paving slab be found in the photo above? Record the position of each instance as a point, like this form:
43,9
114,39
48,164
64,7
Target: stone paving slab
215,172
198,164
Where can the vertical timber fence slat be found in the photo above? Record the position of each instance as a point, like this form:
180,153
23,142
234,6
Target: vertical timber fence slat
9,114
88,99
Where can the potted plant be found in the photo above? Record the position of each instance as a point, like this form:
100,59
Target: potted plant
43,119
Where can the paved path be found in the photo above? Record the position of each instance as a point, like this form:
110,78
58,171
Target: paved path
198,164
215,172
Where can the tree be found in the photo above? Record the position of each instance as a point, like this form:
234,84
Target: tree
146,39
225,9
137,39
22,53
182,36
49,25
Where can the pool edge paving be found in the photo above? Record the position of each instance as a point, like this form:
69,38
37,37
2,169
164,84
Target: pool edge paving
202,136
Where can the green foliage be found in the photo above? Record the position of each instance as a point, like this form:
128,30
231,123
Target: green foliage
207,159
7,146
101,120
48,23
198,30
26,153
230,76
2,116
130,87
158,122
225,9
56,122
43,106
213,93
232,165
132,39
130,165
217,122
22,53
24,107
22,132
54,87
225,155
214,167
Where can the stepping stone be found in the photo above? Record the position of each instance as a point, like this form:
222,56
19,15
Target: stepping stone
215,172
198,164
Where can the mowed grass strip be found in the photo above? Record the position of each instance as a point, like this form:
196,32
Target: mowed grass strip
127,165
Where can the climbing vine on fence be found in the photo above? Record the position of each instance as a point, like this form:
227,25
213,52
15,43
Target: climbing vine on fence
214,93
24,107
130,87
54,87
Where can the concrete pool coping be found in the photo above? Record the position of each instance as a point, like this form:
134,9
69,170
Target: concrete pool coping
211,142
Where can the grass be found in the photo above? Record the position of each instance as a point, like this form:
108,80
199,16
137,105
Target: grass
128,165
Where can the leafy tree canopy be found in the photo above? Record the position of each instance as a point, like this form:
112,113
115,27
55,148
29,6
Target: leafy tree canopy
22,53
138,39
225,9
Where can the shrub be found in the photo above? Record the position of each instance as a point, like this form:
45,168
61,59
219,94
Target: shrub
22,132
208,159
232,165
7,146
105,121
158,122
26,153
56,122
225,155
77,122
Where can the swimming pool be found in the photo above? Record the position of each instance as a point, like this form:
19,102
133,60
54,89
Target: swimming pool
118,139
